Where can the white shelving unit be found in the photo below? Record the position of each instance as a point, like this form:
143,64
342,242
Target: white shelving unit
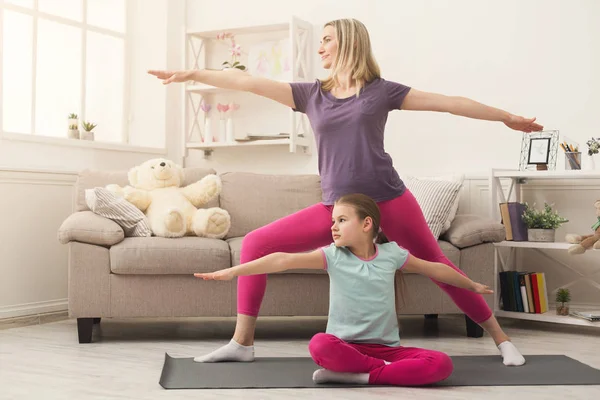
497,195
196,56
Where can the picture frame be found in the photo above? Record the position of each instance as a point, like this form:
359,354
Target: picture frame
539,151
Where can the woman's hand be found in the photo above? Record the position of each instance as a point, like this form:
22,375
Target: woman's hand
521,124
226,274
481,289
172,76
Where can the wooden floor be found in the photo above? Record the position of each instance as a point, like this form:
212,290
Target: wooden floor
46,362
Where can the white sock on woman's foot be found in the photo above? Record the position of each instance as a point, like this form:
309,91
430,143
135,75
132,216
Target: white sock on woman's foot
232,351
510,354
324,375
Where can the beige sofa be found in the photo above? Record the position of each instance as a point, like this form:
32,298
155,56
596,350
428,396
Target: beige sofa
123,277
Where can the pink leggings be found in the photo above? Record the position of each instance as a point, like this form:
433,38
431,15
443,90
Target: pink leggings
401,220
410,366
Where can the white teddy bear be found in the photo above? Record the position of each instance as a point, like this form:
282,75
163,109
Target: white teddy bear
174,211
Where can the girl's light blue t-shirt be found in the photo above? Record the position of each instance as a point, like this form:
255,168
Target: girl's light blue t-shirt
362,305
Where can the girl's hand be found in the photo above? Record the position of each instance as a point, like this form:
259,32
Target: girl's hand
521,124
172,76
221,275
481,289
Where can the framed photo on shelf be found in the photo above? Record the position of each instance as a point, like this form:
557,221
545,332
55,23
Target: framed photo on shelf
539,151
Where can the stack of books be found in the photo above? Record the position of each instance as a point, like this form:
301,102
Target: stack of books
523,292
512,219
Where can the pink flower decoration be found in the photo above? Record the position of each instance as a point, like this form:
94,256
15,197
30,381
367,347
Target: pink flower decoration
236,50
205,107
234,106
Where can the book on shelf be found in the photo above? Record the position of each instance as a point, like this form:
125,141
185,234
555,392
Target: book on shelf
512,219
523,292
250,137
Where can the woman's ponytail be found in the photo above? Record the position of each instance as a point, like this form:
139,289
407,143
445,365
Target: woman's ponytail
381,238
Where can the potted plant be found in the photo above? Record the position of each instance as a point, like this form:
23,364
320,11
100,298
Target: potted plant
87,133
593,148
73,132
541,225
235,50
563,296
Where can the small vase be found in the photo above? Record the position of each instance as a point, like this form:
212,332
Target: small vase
229,132
541,235
86,135
590,163
73,134
222,130
208,135
562,309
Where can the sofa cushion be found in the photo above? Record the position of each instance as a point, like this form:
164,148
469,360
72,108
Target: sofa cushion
255,200
89,179
470,230
451,252
163,256
235,244
87,227
438,200
106,204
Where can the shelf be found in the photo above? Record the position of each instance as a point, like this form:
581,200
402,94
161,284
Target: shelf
241,30
549,316
535,245
269,142
202,88
567,174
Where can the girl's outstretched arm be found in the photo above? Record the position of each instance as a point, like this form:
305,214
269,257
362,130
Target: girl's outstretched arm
443,273
270,263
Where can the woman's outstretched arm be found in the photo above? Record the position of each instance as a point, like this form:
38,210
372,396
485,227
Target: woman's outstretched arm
417,100
233,79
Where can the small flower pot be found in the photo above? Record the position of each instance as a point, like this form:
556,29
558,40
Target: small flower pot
562,309
73,134
541,235
85,135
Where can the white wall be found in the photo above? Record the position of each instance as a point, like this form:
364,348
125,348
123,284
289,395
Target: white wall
533,58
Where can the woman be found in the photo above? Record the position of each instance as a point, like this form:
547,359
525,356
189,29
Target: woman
348,112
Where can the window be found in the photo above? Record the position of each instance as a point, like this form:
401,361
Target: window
61,57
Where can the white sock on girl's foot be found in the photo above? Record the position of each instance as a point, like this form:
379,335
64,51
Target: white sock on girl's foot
324,375
510,354
232,351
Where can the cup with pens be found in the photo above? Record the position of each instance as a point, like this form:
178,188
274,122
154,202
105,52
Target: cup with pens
572,156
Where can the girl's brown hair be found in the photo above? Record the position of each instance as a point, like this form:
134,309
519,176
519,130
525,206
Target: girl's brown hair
364,206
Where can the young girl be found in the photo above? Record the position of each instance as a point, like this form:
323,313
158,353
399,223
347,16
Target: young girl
361,343
348,112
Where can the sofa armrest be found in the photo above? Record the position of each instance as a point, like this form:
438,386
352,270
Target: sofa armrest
470,230
87,227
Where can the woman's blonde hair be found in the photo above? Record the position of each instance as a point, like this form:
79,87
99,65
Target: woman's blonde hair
354,54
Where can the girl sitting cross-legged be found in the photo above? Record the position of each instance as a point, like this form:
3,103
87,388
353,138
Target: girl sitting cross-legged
362,344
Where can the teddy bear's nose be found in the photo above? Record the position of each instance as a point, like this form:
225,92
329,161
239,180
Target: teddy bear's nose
162,164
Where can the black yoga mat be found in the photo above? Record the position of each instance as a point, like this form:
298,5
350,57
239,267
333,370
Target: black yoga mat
296,372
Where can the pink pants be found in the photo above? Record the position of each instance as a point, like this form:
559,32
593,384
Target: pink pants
401,220
410,366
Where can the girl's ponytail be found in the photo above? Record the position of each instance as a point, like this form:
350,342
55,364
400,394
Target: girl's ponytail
381,238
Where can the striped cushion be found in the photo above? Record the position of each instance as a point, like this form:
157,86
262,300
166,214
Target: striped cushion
105,203
438,200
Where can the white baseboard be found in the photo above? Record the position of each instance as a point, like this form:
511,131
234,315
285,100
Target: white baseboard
20,310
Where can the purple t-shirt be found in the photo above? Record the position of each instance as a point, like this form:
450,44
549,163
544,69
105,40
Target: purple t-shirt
349,137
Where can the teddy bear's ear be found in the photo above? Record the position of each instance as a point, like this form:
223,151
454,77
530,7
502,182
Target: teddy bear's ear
132,175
